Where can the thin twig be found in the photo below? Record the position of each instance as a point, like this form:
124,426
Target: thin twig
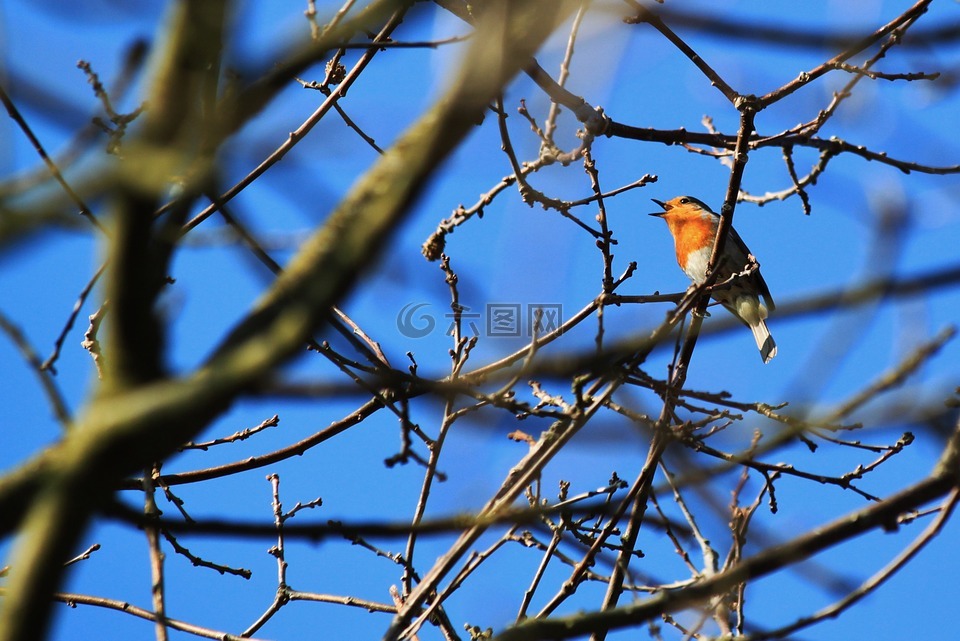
157,557
125,607
15,115
242,435
57,402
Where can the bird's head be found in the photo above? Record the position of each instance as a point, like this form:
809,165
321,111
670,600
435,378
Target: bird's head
682,206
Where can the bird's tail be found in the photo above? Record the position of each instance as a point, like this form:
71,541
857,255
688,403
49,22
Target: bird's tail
765,343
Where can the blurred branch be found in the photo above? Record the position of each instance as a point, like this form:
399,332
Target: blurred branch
83,461
143,423
246,104
640,491
571,364
896,376
300,132
417,387
864,293
144,415
15,115
32,359
945,511
943,479
597,122
44,98
590,399
717,24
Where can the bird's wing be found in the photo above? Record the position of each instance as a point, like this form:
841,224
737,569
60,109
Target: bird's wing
757,277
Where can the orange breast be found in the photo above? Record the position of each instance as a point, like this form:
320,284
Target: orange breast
690,234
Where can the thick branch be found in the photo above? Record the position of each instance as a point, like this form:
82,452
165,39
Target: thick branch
145,424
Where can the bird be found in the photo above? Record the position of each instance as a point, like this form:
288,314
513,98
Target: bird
693,226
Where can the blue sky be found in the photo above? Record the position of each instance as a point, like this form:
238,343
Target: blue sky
516,255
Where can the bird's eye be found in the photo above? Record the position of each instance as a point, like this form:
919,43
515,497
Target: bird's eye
684,200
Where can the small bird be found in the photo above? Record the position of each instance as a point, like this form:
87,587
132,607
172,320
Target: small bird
694,229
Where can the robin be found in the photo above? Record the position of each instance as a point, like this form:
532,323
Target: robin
693,226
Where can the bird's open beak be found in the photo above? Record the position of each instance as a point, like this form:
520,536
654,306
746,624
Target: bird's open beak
662,204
